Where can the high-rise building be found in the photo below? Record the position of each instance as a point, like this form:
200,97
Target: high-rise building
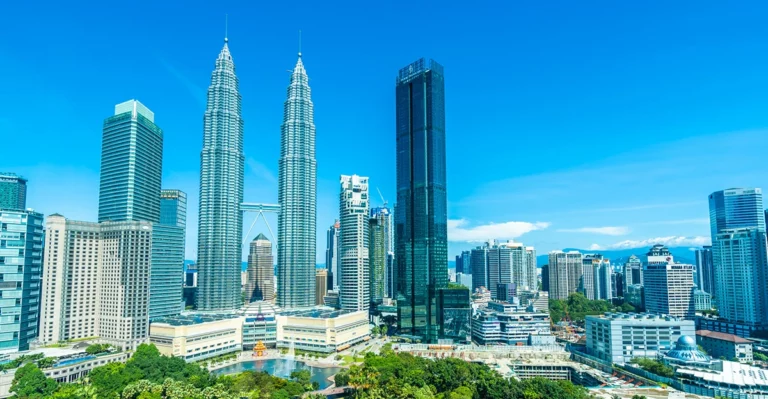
596,277
71,283
168,244
220,226
604,284
321,285
658,255
125,277
131,165
529,280
499,268
737,223
545,278
354,263
587,283
668,289
384,214
297,195
479,262
633,271
565,273
741,280
13,191
421,252
705,270
377,256
463,264
736,208
332,255
260,285
391,280
21,262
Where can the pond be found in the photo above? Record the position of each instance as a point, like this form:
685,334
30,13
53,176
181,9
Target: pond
281,368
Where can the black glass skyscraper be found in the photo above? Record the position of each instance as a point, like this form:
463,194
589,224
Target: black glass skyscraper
421,251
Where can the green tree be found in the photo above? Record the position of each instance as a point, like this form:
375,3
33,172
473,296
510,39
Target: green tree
46,362
375,331
460,393
302,377
30,382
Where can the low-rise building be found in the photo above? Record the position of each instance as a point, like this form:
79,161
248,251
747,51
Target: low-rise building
702,300
505,323
454,315
259,324
635,295
725,346
620,337
322,329
194,337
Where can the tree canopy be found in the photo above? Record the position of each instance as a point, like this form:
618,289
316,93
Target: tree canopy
578,307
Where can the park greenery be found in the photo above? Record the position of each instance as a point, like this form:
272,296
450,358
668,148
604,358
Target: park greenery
577,307
402,375
37,359
654,366
95,349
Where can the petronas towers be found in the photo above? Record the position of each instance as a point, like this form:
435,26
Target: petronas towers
220,225
297,195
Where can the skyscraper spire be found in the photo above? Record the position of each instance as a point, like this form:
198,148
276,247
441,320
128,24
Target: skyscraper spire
222,163
297,195
299,43
226,28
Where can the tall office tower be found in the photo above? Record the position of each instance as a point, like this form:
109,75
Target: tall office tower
529,280
604,286
321,285
390,283
668,289
377,253
633,271
421,252
596,277
479,262
21,261
459,267
463,263
220,227
13,191
740,258
499,268
261,271
545,278
354,262
565,273
518,262
71,285
168,244
737,217
124,278
617,284
131,165
297,195
587,283
705,270
384,214
332,255
658,255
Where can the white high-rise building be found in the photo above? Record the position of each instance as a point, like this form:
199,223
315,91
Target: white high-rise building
71,280
529,279
669,289
353,243
126,249
565,273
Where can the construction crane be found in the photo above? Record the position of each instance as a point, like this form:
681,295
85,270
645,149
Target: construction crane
382,197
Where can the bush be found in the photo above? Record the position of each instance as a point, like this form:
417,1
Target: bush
654,366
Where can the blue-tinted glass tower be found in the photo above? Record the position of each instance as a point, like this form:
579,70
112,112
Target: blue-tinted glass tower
421,253
13,191
168,242
222,162
737,221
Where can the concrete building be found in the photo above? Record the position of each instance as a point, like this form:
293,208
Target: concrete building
725,346
620,337
668,290
633,271
261,271
322,329
529,279
13,191
332,255
354,266
705,269
702,300
379,226
197,337
297,196
131,165
259,324
455,315
658,255
596,277
507,324
479,262
126,249
71,285
332,299
321,285
168,245
21,263
565,273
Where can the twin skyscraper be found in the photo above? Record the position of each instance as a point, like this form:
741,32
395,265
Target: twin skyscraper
222,164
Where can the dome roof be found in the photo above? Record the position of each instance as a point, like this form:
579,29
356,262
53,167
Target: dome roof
686,350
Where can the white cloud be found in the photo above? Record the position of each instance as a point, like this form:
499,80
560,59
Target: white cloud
458,230
607,230
595,247
671,241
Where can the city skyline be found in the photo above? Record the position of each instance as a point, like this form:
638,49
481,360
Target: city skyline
176,69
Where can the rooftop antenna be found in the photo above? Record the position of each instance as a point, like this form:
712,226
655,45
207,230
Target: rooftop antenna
226,28
299,43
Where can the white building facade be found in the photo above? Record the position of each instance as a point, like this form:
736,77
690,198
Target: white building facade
353,243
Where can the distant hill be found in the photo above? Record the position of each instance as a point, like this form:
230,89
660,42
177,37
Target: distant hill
620,256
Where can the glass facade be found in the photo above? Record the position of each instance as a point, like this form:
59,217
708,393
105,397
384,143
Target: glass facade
421,252
297,196
173,208
736,208
131,165
380,227
21,260
455,314
168,243
13,191
220,225
705,270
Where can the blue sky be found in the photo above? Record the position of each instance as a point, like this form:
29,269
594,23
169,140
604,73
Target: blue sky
569,124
